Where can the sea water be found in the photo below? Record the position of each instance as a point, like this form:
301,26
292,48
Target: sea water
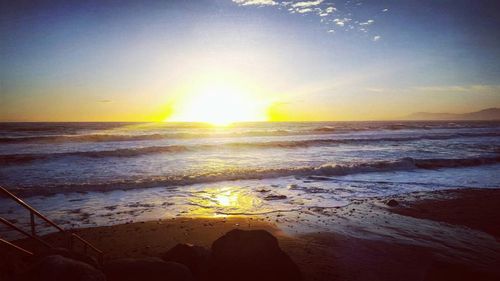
86,174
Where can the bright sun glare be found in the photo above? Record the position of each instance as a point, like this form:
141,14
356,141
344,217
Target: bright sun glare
219,105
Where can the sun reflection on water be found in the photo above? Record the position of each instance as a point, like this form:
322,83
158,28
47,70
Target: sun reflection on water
223,201
226,199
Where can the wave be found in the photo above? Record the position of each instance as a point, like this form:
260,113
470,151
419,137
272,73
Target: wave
141,137
140,151
326,170
325,129
96,132
125,152
87,138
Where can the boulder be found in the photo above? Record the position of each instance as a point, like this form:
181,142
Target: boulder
392,203
275,197
12,263
70,255
250,255
194,257
57,267
146,269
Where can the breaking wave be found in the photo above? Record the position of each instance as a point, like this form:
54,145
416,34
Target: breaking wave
140,151
327,170
73,136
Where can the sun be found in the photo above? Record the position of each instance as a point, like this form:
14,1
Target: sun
219,105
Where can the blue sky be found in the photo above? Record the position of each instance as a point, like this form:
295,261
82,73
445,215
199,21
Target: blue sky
313,60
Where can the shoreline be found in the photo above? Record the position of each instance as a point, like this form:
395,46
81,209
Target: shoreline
306,196
408,164
366,238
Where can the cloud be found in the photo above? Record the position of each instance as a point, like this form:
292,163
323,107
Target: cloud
330,9
104,101
444,89
376,90
341,22
305,4
305,10
338,16
368,22
461,89
376,38
255,2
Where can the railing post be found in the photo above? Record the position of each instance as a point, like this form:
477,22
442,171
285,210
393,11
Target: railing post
70,241
32,220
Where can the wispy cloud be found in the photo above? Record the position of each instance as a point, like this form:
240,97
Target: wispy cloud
338,16
368,22
461,89
256,2
446,89
304,10
376,90
304,4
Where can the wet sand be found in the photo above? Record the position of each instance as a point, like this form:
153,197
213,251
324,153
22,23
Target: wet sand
475,208
453,233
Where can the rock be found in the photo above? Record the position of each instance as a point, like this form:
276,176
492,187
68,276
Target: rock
70,255
57,267
250,255
275,197
146,269
11,263
194,257
392,203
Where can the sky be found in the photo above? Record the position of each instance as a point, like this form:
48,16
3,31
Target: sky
297,60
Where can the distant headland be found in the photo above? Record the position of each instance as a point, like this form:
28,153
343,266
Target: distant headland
485,114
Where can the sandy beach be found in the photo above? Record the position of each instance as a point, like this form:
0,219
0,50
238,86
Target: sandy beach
450,234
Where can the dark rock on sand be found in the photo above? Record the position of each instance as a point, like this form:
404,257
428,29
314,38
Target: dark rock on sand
57,267
250,255
146,269
392,203
70,255
275,197
194,257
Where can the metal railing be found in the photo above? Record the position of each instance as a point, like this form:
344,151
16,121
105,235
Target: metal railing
15,247
34,213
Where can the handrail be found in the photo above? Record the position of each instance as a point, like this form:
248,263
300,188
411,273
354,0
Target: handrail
31,209
33,212
11,225
86,243
19,249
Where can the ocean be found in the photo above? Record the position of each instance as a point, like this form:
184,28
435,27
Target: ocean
87,174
